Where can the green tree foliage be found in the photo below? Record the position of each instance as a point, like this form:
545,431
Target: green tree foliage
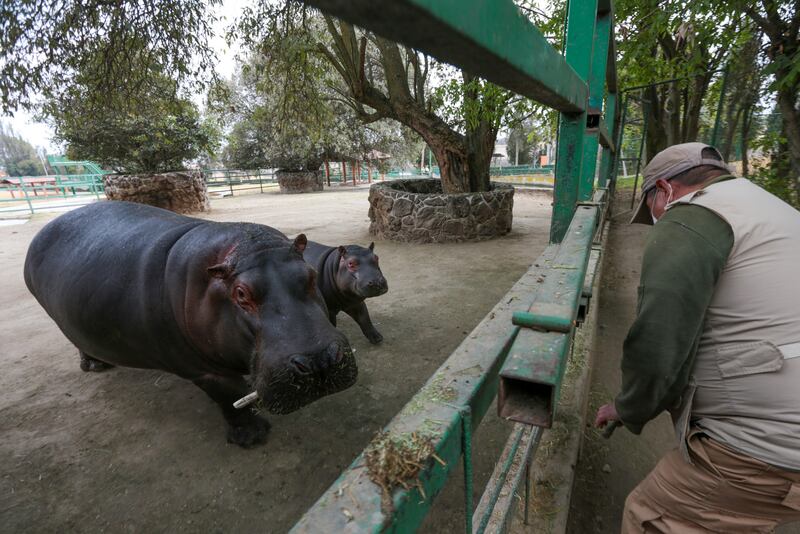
17,155
379,79
143,129
46,42
779,20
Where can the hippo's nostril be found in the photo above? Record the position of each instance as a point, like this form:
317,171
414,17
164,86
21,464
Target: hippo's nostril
335,353
301,365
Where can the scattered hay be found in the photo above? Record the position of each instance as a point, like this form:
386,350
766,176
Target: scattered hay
395,461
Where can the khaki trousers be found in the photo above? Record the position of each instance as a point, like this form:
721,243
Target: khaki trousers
722,491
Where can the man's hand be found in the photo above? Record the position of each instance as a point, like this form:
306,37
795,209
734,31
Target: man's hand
606,414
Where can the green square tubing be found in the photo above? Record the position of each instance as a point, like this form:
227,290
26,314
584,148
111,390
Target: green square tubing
609,158
620,129
581,18
597,79
491,39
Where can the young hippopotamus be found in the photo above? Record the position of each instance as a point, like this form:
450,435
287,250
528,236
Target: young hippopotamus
138,286
346,276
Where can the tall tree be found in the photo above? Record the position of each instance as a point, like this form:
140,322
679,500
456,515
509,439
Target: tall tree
45,42
677,39
780,22
17,155
384,80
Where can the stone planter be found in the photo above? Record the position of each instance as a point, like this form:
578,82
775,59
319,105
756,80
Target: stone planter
417,211
182,192
299,181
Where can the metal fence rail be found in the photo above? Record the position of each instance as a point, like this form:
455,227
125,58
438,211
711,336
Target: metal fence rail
48,193
497,42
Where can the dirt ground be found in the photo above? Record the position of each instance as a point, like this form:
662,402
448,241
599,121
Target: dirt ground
608,470
143,451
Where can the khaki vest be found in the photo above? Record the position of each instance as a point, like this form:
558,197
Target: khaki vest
745,386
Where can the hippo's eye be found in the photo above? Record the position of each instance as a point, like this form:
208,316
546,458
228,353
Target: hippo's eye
242,297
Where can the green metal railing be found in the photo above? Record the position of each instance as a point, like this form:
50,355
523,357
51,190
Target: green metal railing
524,357
228,181
48,193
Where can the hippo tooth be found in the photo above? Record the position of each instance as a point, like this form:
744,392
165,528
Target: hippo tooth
248,399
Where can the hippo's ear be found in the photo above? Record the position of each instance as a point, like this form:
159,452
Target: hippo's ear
300,243
220,270
342,251
371,246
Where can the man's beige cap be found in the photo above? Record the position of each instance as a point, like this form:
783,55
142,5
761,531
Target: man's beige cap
668,164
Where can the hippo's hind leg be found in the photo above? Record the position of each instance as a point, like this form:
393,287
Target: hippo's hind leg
92,365
245,428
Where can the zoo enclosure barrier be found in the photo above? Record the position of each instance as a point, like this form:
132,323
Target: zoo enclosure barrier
63,190
520,349
633,99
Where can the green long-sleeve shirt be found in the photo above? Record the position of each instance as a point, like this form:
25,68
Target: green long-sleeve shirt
684,256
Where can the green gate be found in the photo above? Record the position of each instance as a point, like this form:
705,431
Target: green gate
520,349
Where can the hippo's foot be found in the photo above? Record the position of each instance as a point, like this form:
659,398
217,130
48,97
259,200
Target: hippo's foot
245,428
248,431
374,336
93,365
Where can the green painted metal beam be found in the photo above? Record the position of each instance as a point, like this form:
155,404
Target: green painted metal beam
530,380
581,17
460,391
608,158
494,512
604,137
597,79
491,39
611,62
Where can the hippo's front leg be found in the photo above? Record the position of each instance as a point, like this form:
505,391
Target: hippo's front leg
245,428
360,315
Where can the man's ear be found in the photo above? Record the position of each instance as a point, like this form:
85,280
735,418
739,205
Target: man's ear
300,243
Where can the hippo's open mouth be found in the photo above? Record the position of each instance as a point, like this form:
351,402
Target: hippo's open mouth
285,391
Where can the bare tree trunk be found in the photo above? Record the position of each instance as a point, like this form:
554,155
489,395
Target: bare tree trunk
480,147
453,167
344,173
746,123
790,116
328,172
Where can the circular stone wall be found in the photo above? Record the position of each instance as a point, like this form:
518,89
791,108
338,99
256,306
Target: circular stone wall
182,192
417,211
299,181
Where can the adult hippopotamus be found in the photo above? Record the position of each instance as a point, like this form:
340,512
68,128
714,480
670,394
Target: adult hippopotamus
138,286
348,275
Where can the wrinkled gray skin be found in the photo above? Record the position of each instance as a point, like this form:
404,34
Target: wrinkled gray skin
138,286
348,275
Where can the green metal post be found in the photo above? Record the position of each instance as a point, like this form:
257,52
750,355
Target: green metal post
466,450
25,192
581,19
720,104
639,158
597,78
608,158
620,128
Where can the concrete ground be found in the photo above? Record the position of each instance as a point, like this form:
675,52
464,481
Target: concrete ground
143,451
608,470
